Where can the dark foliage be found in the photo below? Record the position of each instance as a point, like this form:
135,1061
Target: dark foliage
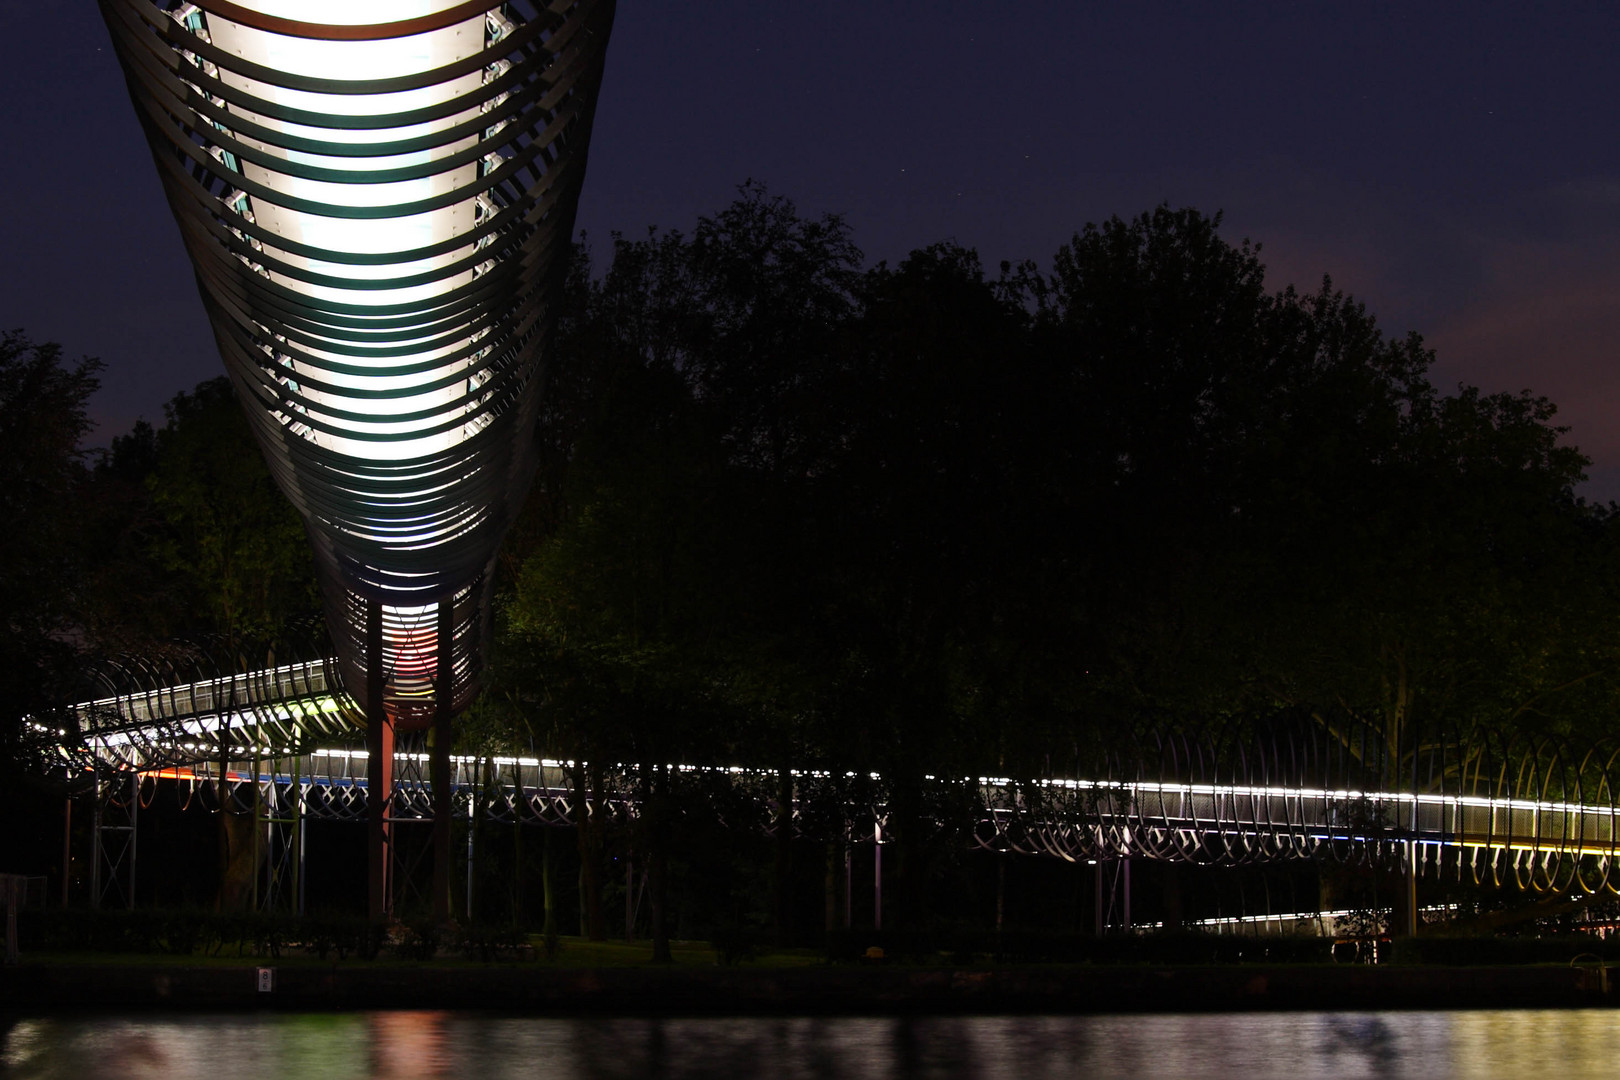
919,521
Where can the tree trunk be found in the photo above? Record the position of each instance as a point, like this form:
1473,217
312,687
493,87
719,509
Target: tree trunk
658,863
835,866
1001,890
550,926
783,869
901,833
517,860
224,897
236,863
588,829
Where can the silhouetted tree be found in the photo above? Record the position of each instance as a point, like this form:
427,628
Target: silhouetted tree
43,420
923,522
194,537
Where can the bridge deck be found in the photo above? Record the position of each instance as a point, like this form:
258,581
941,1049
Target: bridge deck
260,721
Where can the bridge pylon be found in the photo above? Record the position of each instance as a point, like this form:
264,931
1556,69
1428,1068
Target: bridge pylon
112,839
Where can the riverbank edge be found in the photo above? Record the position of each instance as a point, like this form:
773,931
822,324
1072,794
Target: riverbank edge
39,989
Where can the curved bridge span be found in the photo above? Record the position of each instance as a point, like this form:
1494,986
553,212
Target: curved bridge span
281,742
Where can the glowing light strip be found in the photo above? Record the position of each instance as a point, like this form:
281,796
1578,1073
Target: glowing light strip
306,19
1343,795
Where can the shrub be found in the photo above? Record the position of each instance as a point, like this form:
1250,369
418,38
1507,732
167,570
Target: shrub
417,941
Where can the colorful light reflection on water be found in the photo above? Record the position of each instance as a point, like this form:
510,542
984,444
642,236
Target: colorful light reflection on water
1571,1045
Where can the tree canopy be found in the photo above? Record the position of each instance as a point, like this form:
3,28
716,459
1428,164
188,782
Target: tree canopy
922,519
191,537
43,421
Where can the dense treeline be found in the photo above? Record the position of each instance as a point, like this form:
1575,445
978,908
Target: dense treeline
923,521
920,521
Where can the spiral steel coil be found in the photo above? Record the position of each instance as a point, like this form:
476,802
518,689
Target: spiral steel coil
378,216
201,702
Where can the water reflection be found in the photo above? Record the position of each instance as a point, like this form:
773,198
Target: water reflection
1572,1045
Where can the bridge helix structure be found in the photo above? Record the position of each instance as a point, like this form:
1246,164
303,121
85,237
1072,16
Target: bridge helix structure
377,199
278,742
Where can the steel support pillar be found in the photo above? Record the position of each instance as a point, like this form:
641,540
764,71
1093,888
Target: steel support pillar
1411,898
303,870
95,847
877,875
1099,911
439,760
379,769
260,845
296,793
1125,872
67,849
849,880
1113,884
112,832
472,839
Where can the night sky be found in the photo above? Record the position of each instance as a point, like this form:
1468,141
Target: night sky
1457,167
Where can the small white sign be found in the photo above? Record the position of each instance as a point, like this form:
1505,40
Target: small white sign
267,980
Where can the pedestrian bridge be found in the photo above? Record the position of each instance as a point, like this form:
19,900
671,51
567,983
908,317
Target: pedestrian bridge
281,742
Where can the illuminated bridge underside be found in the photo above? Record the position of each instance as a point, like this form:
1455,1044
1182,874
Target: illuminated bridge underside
378,217
1501,826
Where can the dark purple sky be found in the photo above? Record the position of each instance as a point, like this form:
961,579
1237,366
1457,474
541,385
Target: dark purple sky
1456,167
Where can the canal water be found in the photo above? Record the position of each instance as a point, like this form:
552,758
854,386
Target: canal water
1569,1045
